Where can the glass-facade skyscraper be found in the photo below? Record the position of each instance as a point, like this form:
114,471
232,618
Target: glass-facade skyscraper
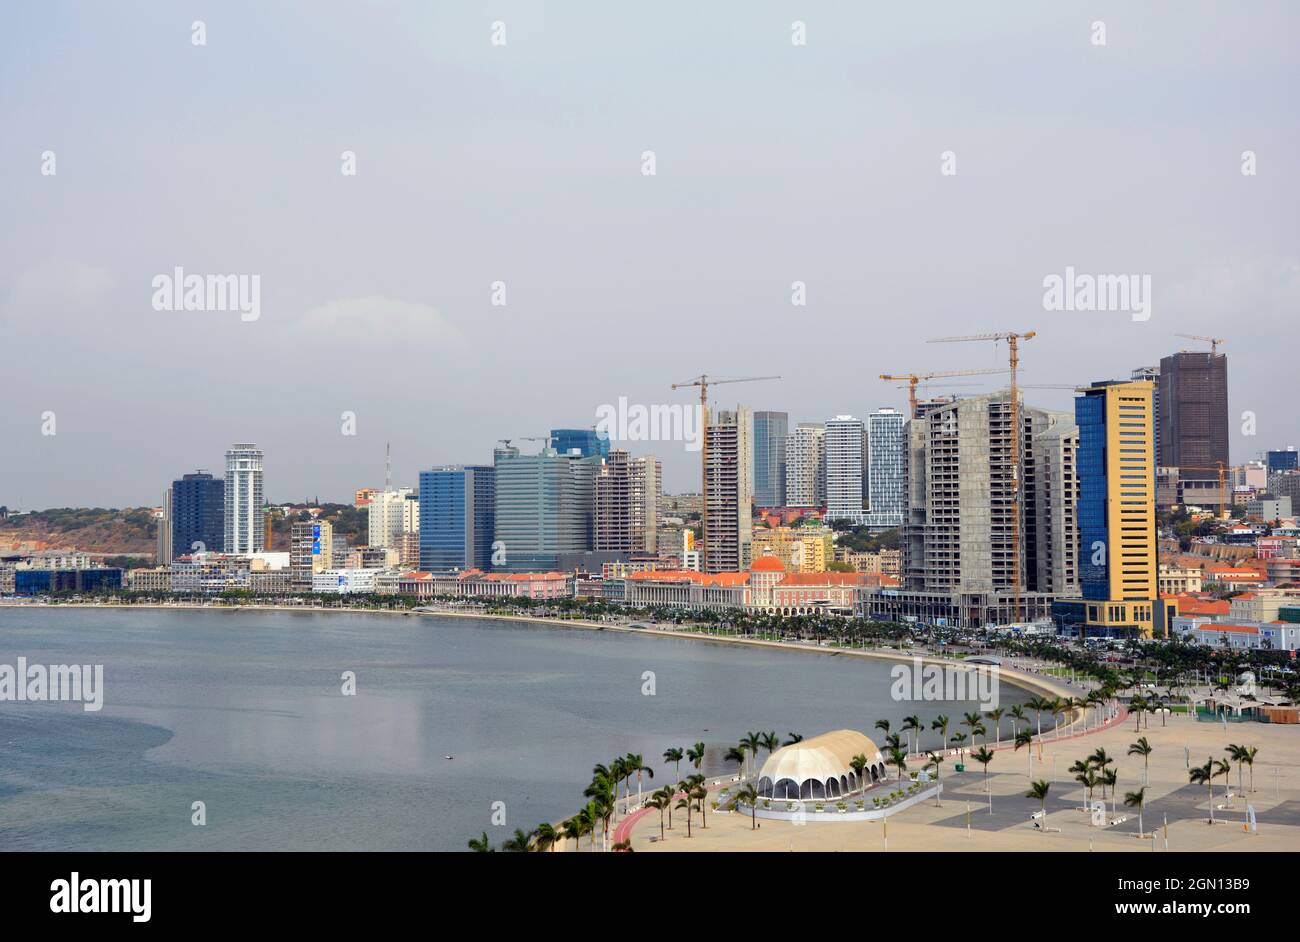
198,514
545,505
245,531
585,440
770,431
457,517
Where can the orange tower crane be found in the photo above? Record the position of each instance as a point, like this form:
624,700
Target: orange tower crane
912,379
1214,351
1223,485
704,382
1013,341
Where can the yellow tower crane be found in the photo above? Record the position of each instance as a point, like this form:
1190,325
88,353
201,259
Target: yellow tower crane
1013,341
1214,348
704,382
912,379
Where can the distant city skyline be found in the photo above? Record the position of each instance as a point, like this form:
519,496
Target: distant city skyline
488,174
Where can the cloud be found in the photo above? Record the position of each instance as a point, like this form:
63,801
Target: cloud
379,320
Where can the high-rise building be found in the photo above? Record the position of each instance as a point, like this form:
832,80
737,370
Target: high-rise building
770,431
586,440
647,492
959,564
612,519
198,514
729,491
1151,374
311,550
805,465
1193,418
886,469
1118,571
846,459
544,507
243,500
393,512
457,517
163,549
1287,459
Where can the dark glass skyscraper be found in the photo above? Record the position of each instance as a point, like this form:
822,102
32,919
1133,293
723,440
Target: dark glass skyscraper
1193,419
770,431
198,514
457,517
1283,460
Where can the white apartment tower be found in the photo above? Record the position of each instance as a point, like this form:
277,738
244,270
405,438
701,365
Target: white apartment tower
846,447
886,469
244,528
805,465
392,512
729,491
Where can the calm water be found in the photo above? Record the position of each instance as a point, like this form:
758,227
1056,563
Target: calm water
243,711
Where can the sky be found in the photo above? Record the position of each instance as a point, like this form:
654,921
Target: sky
481,164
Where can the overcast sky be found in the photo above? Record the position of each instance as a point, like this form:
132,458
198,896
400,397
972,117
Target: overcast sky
522,163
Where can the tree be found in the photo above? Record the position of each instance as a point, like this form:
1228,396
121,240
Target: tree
792,738
883,725
984,757
1017,717
1248,757
899,759
572,830
1039,790
696,754
1026,738
913,724
1136,800
674,755
546,836
481,844
996,716
1237,754
1204,775
859,765
661,802
737,754
934,761
973,721
699,793
941,724
749,796
634,764
1142,748
520,843
753,742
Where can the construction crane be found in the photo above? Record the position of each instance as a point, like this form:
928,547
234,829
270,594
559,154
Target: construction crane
704,382
1212,341
912,379
1223,485
1013,341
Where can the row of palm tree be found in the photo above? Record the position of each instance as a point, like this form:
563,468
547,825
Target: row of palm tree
1214,768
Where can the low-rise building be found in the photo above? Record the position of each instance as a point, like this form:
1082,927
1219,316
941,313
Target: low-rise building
157,579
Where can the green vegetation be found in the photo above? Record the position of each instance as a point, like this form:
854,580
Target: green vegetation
861,540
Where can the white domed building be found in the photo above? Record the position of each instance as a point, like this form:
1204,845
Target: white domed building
821,767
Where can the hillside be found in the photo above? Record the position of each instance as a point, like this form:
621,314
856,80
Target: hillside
89,529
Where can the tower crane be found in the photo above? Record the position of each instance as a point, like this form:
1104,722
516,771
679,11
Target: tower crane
1212,341
912,379
1013,341
704,381
1224,511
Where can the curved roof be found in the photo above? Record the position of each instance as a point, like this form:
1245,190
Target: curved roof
829,755
767,564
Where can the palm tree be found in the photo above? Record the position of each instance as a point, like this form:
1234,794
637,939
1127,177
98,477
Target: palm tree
1237,754
699,793
984,757
572,830
547,836
519,844
635,765
1204,774
913,724
661,801
1026,738
737,754
1110,778
1248,757
959,739
674,756
941,724
685,802
753,742
1222,768
1017,717
883,725
1058,707
696,754
897,758
623,847
1137,800
1136,706
934,761
771,742
1144,749
792,738
1039,790
859,765
749,795
972,720
1040,705
996,717
480,845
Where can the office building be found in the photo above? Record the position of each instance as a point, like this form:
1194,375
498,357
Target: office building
457,517
805,465
544,507
392,512
612,521
770,432
846,459
198,514
1118,570
243,500
886,469
585,440
647,493
163,546
1193,417
1151,374
1287,459
311,551
728,492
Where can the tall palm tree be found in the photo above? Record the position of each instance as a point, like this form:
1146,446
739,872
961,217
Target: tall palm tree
1059,708
572,830
859,765
675,756
737,754
696,754
749,795
1204,774
1144,749
480,845
1017,717
941,724
1137,800
659,800
1248,757
699,793
771,742
897,758
1222,768
913,724
973,721
1136,706
1026,738
685,802
792,738
753,742
1039,705
546,836
935,760
959,740
1237,754
634,764
984,757
996,716
1110,778
1039,790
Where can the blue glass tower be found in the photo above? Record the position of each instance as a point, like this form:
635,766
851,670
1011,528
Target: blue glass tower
457,517
198,514
586,440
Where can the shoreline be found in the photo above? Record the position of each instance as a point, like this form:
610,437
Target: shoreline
1032,683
